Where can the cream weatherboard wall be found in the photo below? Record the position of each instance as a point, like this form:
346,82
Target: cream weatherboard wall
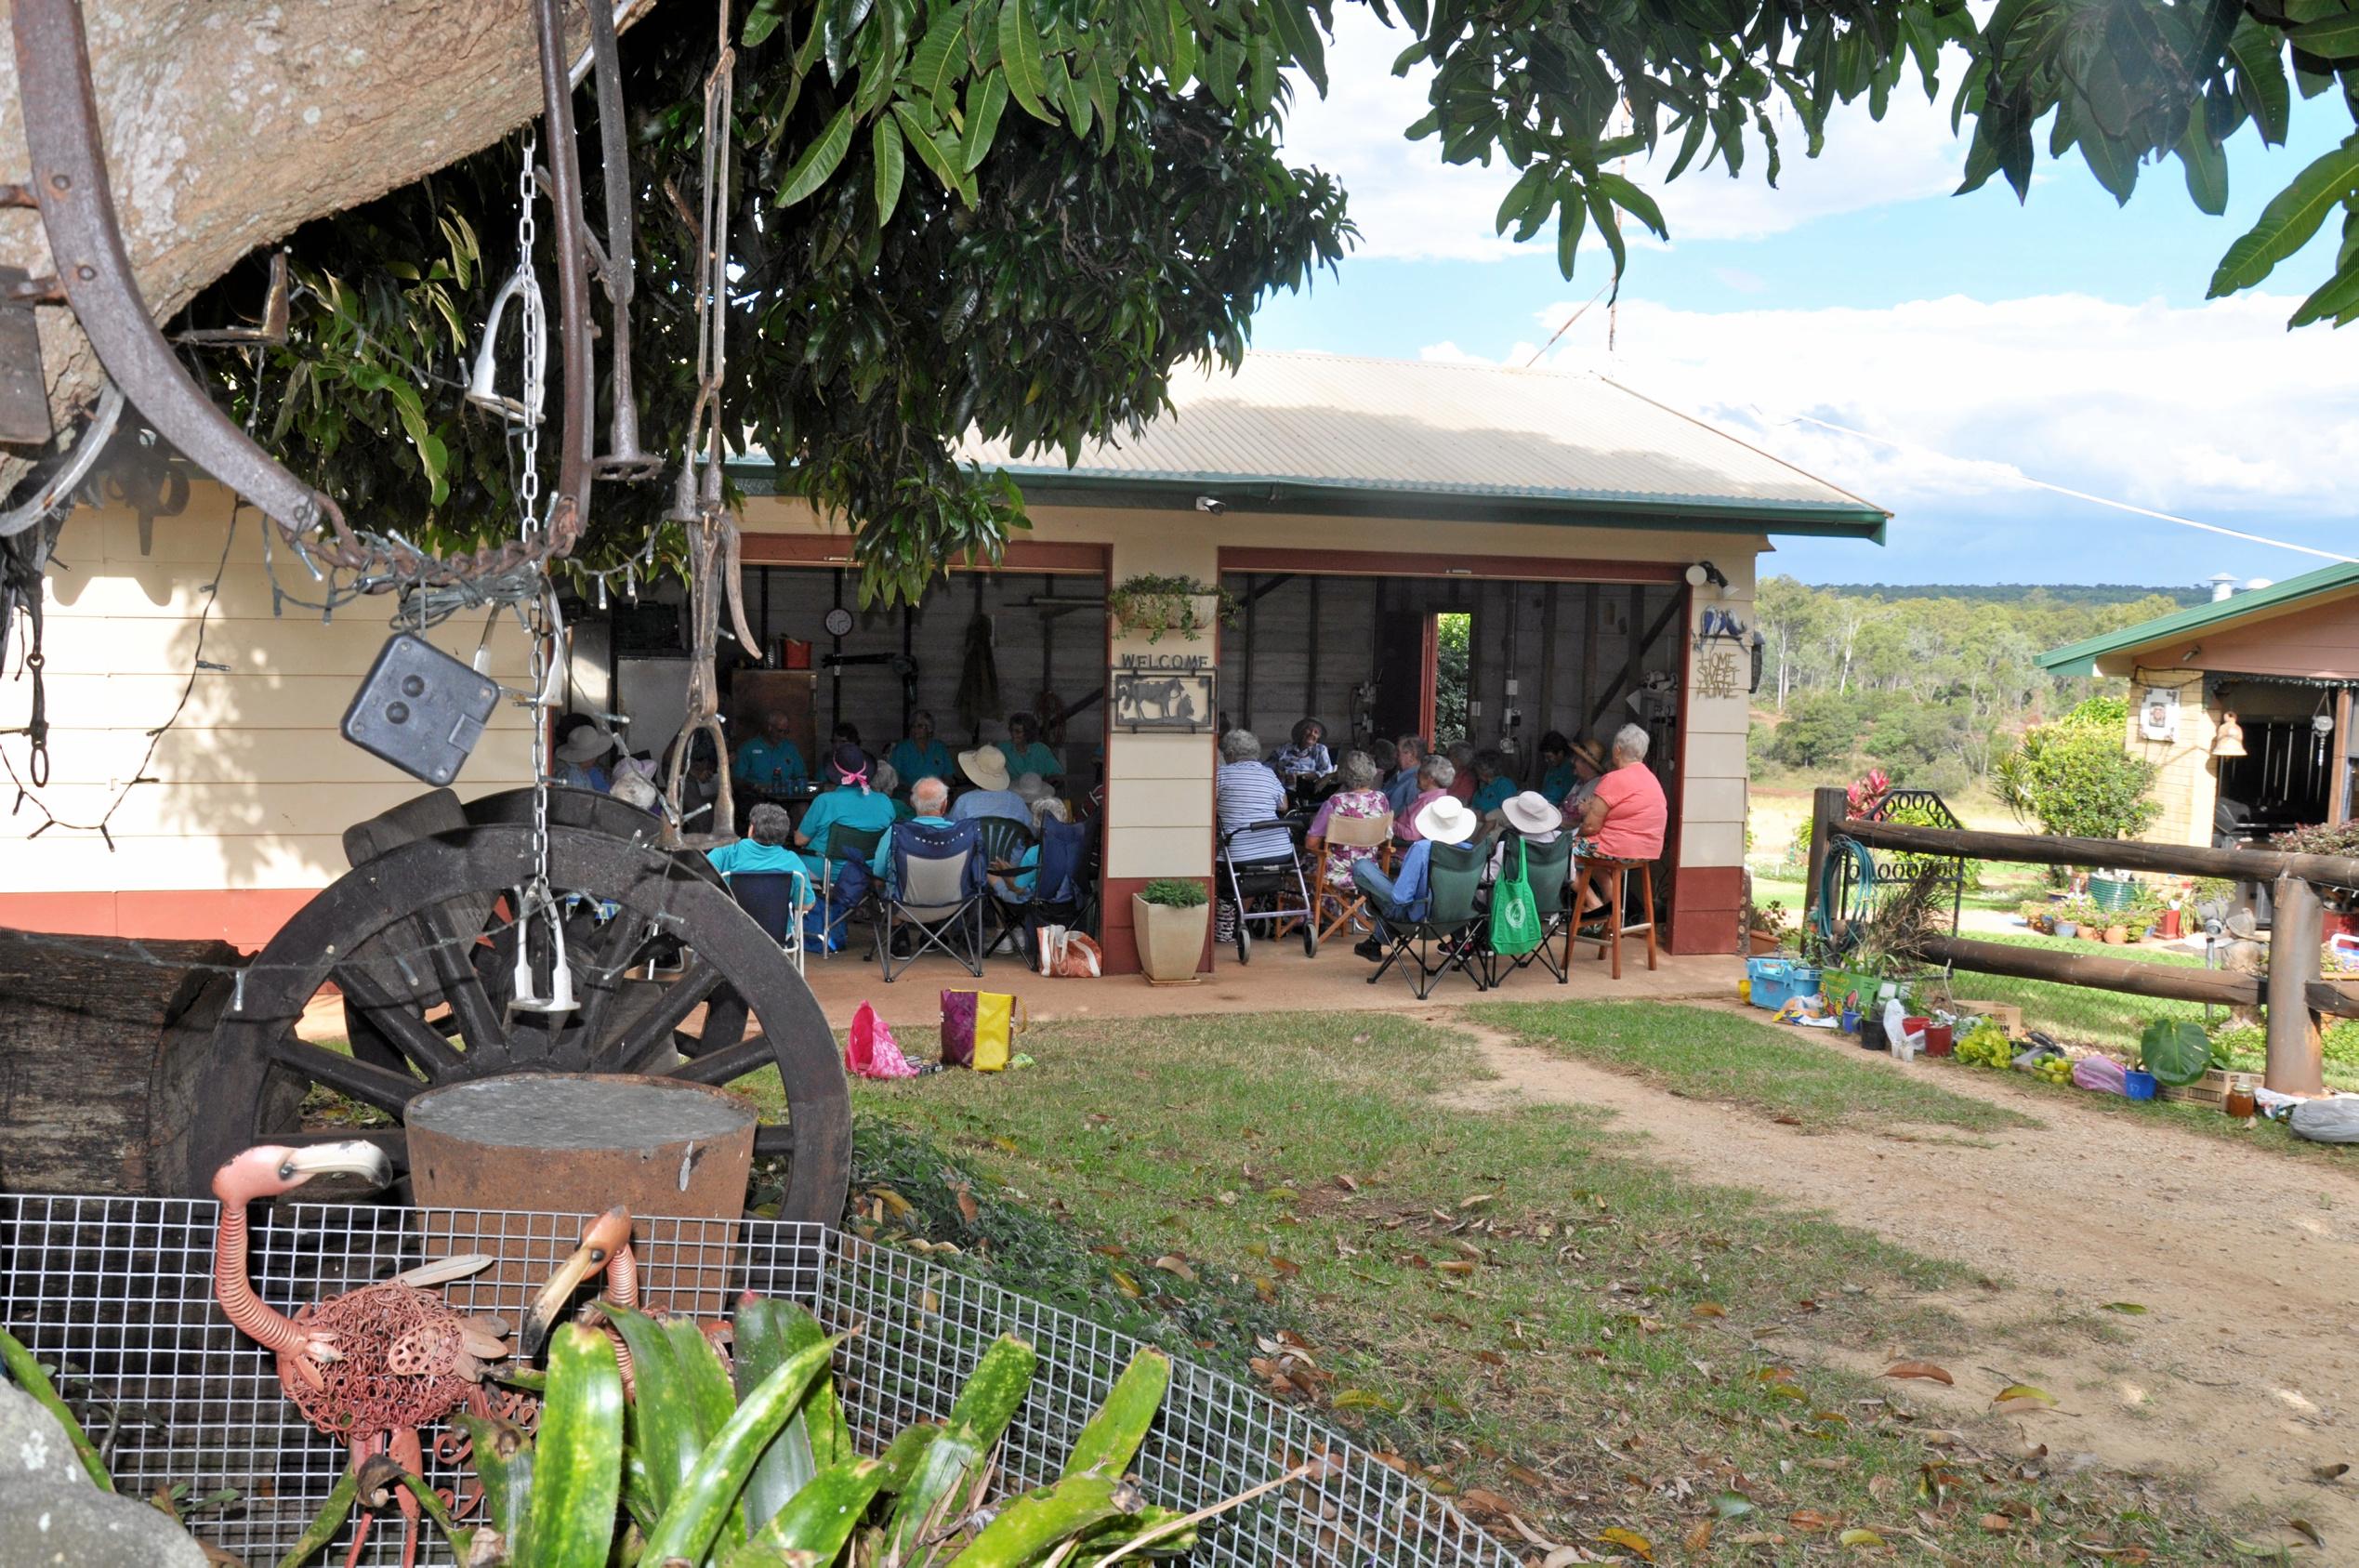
252,785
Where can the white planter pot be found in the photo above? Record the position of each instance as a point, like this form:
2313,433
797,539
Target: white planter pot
1171,940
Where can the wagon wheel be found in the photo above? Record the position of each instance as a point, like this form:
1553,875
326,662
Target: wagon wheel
585,809
387,935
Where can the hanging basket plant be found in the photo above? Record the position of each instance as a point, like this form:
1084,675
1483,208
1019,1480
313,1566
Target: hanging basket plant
1150,606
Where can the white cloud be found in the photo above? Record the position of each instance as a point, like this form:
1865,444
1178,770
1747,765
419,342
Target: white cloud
2213,410
1411,205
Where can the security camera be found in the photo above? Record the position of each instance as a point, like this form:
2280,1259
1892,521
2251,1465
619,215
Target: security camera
1212,504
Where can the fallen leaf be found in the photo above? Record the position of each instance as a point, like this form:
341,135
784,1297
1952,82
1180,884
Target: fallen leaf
2308,1532
1811,1520
1478,1500
1997,1523
1172,1263
1007,1144
2014,1396
1924,1369
1348,1184
1565,1557
1459,1266
1731,1505
1128,1285
2328,1474
1788,1121
1630,1540
969,1209
2130,1306
1699,1538
1707,1309
1362,1398
1860,1537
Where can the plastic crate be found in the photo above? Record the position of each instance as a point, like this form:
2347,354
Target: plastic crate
1776,981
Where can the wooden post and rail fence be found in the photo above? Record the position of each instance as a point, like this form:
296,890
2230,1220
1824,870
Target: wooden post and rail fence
2293,994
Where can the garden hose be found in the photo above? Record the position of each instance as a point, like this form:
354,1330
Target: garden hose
1838,852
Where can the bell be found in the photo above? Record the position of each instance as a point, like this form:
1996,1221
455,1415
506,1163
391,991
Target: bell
558,997
483,386
2229,739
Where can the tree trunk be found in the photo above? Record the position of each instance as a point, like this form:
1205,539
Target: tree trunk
103,1042
231,123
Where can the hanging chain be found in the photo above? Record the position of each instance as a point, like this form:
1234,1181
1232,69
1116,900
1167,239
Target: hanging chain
528,481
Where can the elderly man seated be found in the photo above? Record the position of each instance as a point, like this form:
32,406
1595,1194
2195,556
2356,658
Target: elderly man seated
929,797
1626,817
1402,898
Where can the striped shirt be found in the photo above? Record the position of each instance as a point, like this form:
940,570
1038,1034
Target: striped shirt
1250,792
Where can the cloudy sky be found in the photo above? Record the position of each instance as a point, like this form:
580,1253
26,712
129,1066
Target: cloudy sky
1981,343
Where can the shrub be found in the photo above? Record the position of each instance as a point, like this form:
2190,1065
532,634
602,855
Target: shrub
1821,730
2109,713
1175,892
2075,778
2343,1042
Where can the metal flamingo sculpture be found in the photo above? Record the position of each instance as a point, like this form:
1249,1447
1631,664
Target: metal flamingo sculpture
373,1366
605,1248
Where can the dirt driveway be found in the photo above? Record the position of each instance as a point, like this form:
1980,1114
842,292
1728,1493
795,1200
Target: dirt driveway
2242,1376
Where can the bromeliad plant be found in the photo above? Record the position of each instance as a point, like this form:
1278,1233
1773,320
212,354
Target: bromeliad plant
704,1465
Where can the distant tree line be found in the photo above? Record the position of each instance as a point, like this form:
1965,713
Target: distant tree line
1934,685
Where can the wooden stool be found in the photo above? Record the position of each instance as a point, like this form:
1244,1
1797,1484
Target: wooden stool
1612,878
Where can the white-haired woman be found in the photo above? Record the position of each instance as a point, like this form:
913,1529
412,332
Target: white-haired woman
1626,817
1357,796
1248,792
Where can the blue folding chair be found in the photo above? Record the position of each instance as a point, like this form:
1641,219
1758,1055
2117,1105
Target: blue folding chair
777,900
1065,892
938,895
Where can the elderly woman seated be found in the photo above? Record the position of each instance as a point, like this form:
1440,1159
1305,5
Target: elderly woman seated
1626,817
1303,763
1248,792
1358,796
1435,776
766,847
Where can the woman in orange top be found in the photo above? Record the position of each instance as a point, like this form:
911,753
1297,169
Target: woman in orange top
1627,816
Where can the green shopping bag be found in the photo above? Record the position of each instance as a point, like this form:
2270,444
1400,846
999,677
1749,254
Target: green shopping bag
1515,914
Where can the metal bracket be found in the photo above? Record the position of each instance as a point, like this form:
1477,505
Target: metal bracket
273,327
77,208
24,396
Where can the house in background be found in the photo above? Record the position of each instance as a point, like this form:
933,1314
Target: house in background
2244,706
1604,546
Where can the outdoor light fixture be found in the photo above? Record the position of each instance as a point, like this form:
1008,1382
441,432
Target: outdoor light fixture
1704,572
2230,739
1212,504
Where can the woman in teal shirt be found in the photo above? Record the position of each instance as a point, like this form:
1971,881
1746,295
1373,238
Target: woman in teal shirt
1493,789
851,804
921,756
1024,752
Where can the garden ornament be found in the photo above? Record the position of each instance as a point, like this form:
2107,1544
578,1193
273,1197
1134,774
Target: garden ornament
373,1366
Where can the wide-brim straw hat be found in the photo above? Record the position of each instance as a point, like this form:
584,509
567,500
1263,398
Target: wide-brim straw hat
988,766
1032,787
1591,752
1446,821
1530,813
586,745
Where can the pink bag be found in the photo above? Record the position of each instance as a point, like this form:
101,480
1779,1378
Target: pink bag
869,1048
2101,1074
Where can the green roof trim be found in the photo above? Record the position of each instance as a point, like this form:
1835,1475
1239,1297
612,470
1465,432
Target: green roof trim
2080,658
1320,498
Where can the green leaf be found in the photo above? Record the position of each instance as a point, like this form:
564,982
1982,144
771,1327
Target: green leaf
1112,1438
2336,301
940,57
934,152
818,160
1184,52
1632,200
662,1415
1298,30
819,1519
2175,1050
1571,220
1609,227
2289,219
762,20
1020,57
2259,52
1518,200
327,1523
884,140
2335,37
503,1459
984,105
2206,162
1028,1526
693,1521
577,1470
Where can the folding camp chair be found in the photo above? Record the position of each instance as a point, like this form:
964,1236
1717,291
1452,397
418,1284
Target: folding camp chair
1277,884
938,895
1445,940
777,900
847,843
1346,905
1065,892
1549,868
1005,842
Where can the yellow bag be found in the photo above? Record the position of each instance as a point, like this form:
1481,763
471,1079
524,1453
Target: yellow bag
977,1027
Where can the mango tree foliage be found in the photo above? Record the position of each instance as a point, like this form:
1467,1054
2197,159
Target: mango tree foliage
1016,217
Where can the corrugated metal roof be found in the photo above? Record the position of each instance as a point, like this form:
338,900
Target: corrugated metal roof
1325,422
2080,658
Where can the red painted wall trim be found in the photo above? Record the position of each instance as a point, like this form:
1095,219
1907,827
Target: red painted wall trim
1386,563
1708,899
246,918
830,549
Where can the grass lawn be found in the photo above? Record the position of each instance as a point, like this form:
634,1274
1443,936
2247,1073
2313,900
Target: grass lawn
1764,1067
1509,1301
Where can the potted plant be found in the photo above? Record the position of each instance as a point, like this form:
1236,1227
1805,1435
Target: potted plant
1767,931
1148,605
1169,916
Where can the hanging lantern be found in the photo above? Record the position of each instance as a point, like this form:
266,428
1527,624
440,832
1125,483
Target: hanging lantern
2229,739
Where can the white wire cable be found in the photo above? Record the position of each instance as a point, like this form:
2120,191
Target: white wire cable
2021,478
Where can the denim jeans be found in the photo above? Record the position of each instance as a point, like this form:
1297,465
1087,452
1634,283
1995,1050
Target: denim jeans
1370,879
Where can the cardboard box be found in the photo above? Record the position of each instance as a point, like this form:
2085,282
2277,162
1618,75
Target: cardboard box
2010,1016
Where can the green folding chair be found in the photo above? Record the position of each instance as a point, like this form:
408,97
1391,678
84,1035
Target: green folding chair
1549,868
1444,939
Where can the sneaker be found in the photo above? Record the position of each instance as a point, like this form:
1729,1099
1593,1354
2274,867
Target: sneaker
1372,950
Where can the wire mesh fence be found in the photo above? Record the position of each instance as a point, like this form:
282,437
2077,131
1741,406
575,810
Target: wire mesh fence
118,1293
